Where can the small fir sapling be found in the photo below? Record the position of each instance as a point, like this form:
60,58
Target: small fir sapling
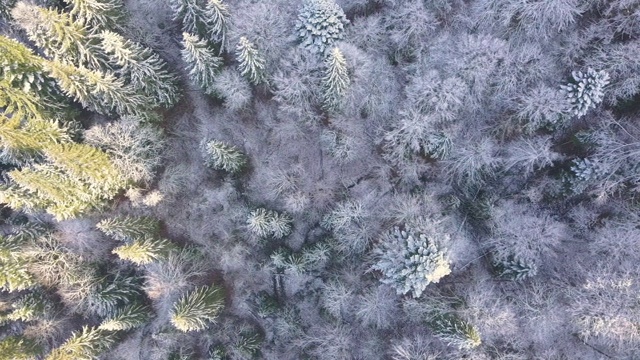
410,261
145,250
586,90
455,331
320,24
202,63
198,307
514,268
84,345
336,81
269,223
127,318
31,306
129,228
220,156
250,63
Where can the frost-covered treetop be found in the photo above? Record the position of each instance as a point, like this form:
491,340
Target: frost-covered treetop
409,261
586,91
320,24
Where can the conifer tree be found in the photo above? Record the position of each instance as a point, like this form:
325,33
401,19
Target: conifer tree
202,63
220,156
129,317
269,223
24,140
336,80
31,306
218,14
146,71
18,348
26,89
194,309
129,228
84,345
208,21
455,331
251,64
146,250
98,14
108,294
97,91
320,24
14,274
59,36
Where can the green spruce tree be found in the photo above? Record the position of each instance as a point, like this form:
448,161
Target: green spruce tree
145,250
18,348
251,64
208,21
129,228
127,318
220,156
84,345
146,71
336,81
269,223
97,91
59,36
14,274
196,308
455,331
31,306
98,14
202,63
23,141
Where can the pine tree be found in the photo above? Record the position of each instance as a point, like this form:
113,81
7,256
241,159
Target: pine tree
251,64
104,296
208,21
14,274
194,309
127,318
220,156
410,262
586,90
336,80
59,36
455,331
269,223
146,71
514,268
26,90
320,24
202,63
145,251
32,306
84,345
129,228
97,91
98,14
18,348
23,141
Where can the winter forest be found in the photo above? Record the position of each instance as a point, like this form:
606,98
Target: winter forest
319,179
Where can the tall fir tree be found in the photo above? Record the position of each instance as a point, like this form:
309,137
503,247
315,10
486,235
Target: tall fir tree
146,71
84,345
196,308
221,156
250,63
145,250
26,89
202,63
60,37
14,274
336,81
208,21
129,228
22,141
127,318
97,91
98,14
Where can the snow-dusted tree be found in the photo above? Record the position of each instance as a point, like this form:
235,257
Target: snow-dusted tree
251,64
59,36
126,318
97,91
31,306
455,331
98,14
145,250
14,273
143,68
195,309
411,261
586,90
84,345
129,228
23,141
202,63
269,223
135,146
19,348
514,268
335,82
320,24
208,21
233,88
220,156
